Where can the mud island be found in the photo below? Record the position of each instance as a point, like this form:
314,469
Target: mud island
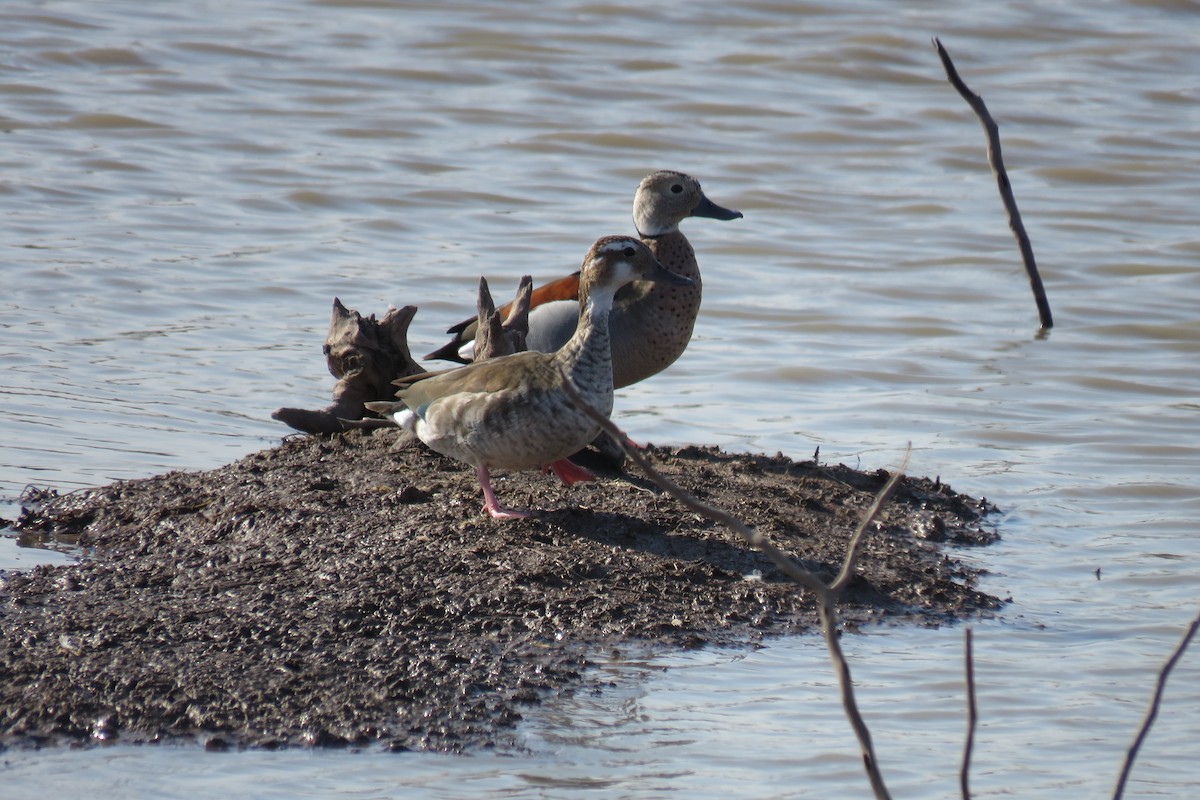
339,590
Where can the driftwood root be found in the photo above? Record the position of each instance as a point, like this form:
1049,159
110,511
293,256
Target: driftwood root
365,355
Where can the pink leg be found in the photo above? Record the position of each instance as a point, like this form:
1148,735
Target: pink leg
490,504
570,473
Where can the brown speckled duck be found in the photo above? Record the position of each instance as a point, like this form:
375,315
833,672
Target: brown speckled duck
651,322
511,412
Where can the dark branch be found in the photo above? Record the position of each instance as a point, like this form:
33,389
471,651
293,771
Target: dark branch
996,160
1152,712
827,595
856,541
964,780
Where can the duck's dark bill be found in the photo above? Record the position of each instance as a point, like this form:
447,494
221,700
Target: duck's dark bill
663,275
707,208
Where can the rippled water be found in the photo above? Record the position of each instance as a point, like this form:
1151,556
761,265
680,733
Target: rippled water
186,186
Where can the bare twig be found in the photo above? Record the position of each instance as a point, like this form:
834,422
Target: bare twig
856,541
996,160
827,595
833,643
1152,711
964,776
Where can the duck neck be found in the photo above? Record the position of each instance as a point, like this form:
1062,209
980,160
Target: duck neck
654,300
648,228
589,350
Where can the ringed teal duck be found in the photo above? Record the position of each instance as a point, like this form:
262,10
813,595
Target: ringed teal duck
651,322
511,412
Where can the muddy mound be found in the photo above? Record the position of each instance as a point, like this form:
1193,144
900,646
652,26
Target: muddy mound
345,591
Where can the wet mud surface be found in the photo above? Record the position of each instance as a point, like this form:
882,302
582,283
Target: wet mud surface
343,591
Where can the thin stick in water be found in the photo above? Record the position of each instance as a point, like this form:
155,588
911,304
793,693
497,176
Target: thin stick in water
996,160
1152,711
964,779
827,595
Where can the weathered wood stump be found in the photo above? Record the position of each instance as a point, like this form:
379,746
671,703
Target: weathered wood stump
495,338
368,356
365,355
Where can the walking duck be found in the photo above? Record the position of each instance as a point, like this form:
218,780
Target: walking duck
511,412
651,322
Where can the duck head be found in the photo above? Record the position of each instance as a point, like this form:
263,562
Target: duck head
666,198
614,261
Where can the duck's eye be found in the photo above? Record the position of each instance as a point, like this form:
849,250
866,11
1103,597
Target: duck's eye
628,252
676,188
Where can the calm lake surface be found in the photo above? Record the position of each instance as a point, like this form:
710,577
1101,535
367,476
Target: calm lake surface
186,186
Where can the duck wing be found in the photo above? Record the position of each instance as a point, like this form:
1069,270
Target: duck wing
528,372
